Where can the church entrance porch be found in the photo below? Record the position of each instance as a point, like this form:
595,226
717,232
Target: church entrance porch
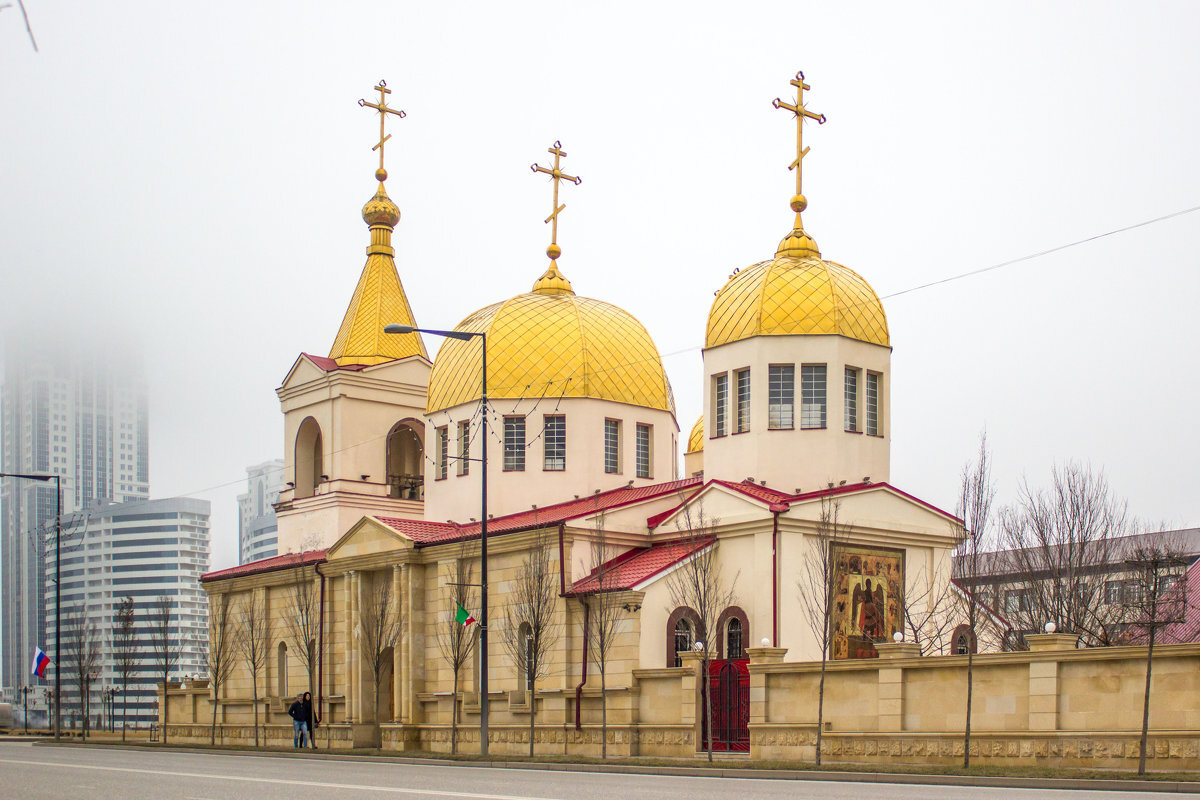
729,691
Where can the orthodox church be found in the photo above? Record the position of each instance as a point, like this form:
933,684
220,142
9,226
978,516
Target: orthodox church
391,484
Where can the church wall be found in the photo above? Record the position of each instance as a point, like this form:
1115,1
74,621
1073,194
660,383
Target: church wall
457,496
797,459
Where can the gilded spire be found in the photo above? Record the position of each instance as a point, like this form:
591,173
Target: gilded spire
799,244
379,297
552,281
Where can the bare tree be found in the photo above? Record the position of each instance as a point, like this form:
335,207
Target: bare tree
222,654
302,623
381,625
254,640
126,651
602,616
976,494
698,583
457,640
1060,542
531,630
164,651
817,591
1154,597
81,652
930,607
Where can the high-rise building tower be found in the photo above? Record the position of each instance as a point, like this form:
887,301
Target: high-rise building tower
79,412
258,531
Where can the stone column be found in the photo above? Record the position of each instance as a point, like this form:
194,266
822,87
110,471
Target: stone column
891,683
758,679
691,710
404,695
352,714
1043,677
397,660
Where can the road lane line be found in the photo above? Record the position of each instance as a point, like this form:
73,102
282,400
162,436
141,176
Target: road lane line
282,781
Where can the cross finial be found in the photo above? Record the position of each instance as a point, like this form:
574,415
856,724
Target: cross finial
799,203
383,109
554,251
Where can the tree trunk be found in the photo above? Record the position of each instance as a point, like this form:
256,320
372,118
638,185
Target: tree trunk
1146,707
821,706
124,689
212,734
532,713
254,689
603,712
166,705
967,729
454,717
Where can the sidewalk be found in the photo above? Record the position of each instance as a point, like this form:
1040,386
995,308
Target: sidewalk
682,768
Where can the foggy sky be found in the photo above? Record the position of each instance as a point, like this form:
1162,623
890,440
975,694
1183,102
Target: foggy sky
194,174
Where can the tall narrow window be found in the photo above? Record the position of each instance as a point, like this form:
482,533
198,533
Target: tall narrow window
555,443
443,451
733,639
781,399
720,397
643,450
514,444
464,447
612,446
812,396
873,379
743,400
682,640
851,399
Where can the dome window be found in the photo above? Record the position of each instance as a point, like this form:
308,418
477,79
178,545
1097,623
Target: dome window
873,381
514,444
851,425
720,398
555,443
743,400
643,450
781,399
612,446
464,447
812,397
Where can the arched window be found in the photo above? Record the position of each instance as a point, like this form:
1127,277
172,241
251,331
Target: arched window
405,467
684,638
733,639
282,669
309,463
682,627
963,641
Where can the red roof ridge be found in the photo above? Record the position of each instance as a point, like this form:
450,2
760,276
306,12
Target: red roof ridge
284,561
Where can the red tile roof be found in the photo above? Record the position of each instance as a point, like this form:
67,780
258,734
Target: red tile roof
772,497
284,561
425,533
635,566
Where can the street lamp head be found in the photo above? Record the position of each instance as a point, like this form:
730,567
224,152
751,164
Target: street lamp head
698,646
394,328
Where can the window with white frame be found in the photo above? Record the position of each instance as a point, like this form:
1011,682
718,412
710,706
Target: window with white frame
781,396
464,447
643,450
554,448
443,450
720,399
742,416
514,444
612,446
873,381
851,400
812,396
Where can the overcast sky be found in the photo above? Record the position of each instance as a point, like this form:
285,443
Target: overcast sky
194,173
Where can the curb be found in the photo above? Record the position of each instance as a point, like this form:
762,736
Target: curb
988,781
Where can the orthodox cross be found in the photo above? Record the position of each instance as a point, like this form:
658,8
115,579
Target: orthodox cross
801,113
383,109
554,251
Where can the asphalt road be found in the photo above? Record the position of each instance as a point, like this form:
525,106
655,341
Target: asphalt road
51,773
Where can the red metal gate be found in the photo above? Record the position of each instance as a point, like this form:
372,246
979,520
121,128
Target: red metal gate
729,690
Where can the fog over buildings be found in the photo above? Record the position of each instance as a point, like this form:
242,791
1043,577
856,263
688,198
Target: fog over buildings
191,177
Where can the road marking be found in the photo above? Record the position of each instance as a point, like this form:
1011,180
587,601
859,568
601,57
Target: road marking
282,781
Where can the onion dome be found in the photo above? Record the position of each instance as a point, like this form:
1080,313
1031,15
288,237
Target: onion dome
551,343
695,443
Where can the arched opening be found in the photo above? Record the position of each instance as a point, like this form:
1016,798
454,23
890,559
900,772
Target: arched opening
309,458
282,669
682,632
734,627
733,639
963,641
405,468
683,636
385,704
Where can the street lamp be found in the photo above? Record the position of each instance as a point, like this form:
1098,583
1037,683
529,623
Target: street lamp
465,336
57,581
24,690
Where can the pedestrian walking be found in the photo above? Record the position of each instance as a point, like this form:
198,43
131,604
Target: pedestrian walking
310,716
299,722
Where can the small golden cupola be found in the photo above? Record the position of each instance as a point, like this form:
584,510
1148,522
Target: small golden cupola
379,297
797,292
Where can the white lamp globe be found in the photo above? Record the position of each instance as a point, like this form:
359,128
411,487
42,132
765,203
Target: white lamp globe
1051,627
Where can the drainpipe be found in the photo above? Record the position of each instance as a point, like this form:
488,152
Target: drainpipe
587,610
320,638
775,579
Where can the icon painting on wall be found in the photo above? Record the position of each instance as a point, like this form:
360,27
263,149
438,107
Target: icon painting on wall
868,598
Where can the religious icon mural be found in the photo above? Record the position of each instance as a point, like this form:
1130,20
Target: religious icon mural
868,597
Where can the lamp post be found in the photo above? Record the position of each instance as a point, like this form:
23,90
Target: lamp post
24,690
57,582
465,336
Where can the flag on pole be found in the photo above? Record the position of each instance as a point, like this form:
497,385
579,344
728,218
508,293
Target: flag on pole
462,616
40,661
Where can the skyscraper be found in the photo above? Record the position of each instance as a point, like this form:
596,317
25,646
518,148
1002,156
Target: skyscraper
77,411
258,531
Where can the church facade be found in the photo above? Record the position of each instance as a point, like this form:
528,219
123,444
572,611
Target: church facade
785,476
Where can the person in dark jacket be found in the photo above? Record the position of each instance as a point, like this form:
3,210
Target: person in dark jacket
299,721
310,716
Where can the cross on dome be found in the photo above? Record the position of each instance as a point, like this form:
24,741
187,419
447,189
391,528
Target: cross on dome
799,243
556,173
384,109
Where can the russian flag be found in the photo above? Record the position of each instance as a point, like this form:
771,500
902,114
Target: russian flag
40,661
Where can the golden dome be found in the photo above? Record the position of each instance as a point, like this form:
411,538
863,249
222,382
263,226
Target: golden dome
550,343
797,292
696,437
380,210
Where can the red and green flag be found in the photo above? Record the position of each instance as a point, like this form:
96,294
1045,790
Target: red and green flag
462,616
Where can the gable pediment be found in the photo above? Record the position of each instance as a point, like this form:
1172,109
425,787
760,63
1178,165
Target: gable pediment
368,537
882,507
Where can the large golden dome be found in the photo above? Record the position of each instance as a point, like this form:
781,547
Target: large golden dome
797,292
550,343
695,443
